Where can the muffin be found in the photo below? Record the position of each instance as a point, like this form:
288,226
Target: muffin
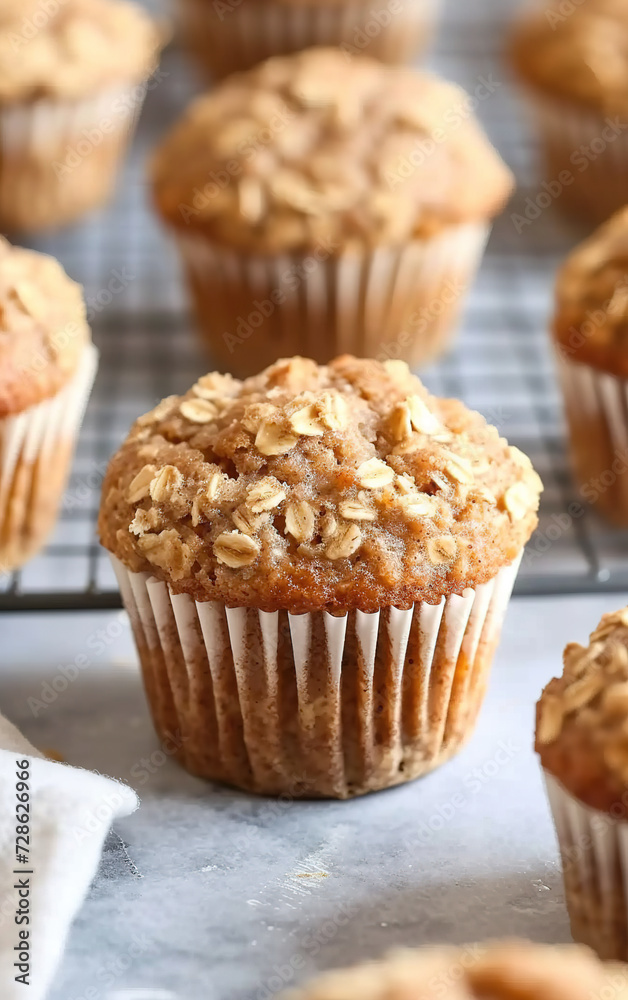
47,366
316,562
573,65
226,37
323,206
70,92
582,740
590,331
501,970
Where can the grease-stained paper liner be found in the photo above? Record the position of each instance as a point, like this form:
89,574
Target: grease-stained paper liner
592,149
58,159
314,705
594,852
36,450
399,303
596,407
228,36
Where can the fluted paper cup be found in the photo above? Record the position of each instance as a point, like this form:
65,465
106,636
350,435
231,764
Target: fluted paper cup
58,159
36,451
594,853
314,705
226,36
596,407
586,158
403,302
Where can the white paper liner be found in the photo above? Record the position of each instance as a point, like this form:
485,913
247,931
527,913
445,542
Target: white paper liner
596,406
313,704
399,303
599,180
36,449
230,37
594,852
38,139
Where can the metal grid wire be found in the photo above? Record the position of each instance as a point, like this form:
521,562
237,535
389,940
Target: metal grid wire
501,365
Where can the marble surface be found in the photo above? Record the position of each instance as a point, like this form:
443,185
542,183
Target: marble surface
208,894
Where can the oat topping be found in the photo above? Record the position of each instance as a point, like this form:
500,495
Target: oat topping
296,485
501,970
43,330
591,313
321,150
591,697
79,46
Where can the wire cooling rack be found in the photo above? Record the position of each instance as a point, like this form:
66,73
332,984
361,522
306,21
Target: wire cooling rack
501,365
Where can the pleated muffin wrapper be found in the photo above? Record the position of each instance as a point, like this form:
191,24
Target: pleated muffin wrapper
233,35
594,854
596,407
36,451
401,302
314,705
59,158
591,148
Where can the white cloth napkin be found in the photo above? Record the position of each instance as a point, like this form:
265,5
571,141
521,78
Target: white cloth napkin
70,814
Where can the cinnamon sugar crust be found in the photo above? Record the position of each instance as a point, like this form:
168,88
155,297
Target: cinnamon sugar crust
83,46
306,488
314,149
579,55
582,718
499,970
591,313
43,329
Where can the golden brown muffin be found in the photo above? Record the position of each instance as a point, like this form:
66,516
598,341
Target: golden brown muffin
72,81
47,366
573,64
308,488
589,329
314,147
316,563
499,970
325,205
43,330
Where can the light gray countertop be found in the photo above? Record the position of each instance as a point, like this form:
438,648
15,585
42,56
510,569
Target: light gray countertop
208,893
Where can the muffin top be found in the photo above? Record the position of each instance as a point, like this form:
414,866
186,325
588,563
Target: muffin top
307,488
80,47
579,54
591,317
497,970
582,718
43,329
314,149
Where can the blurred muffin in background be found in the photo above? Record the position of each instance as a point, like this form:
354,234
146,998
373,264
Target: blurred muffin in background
501,970
72,82
226,36
590,331
317,562
47,366
323,206
582,740
574,65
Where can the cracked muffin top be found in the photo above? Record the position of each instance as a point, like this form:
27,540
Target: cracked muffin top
306,488
496,970
80,47
317,148
591,316
582,718
578,54
43,329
